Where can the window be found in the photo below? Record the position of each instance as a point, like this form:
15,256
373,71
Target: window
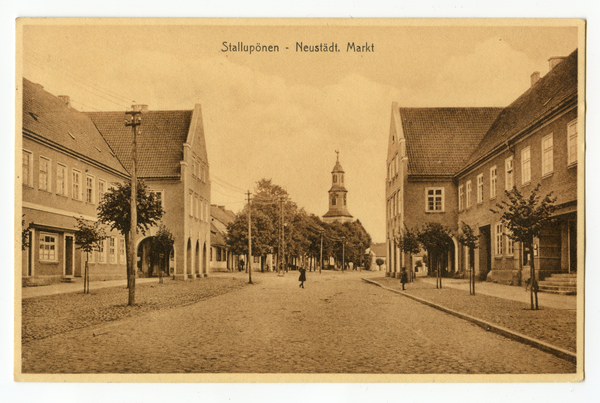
525,166
480,188
197,208
469,191
47,247
461,197
89,189
112,256
27,165
159,197
499,234
493,181
44,179
508,170
76,185
344,199
572,142
101,189
193,166
333,200
191,204
547,155
334,178
510,244
396,165
122,259
102,251
256,259
342,178
61,176
435,199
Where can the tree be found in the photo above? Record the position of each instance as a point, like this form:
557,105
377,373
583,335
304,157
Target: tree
525,218
24,235
379,262
408,242
467,238
436,239
160,250
262,233
114,210
89,238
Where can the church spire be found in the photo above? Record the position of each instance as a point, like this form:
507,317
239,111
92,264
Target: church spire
338,210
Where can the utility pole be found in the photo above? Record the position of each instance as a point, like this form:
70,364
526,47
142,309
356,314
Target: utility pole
249,241
135,121
321,261
343,254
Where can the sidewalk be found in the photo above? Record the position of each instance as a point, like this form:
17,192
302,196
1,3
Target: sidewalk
501,309
63,288
510,292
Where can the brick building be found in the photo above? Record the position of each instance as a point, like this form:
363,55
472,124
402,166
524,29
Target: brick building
66,167
452,165
173,162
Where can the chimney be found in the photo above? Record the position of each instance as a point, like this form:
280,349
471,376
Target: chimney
535,77
66,99
140,107
555,60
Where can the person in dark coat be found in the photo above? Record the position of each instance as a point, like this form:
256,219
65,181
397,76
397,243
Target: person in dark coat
403,277
302,277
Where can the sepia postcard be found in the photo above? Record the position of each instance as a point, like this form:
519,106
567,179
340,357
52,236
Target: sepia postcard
317,200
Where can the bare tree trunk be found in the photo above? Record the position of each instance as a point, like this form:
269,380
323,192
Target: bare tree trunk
85,273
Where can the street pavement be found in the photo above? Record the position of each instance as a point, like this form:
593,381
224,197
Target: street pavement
337,324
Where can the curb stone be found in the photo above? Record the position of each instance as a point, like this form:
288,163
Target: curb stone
521,338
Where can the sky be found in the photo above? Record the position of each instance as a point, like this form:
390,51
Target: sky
281,115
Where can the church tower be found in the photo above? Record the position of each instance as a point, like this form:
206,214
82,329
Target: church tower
338,210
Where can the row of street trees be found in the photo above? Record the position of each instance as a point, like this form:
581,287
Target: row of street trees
281,228
523,217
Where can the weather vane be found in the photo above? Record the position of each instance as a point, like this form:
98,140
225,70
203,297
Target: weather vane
337,155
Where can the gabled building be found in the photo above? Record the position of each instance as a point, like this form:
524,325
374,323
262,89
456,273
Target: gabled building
173,161
452,165
221,259
66,167
425,148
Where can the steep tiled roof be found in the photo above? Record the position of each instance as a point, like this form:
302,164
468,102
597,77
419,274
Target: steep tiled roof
216,238
159,146
378,249
49,119
440,140
559,85
222,214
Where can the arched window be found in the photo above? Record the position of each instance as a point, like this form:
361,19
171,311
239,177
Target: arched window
334,178
344,200
333,200
342,178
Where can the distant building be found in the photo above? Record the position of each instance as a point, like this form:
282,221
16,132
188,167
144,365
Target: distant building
66,168
377,251
173,162
451,165
338,210
221,259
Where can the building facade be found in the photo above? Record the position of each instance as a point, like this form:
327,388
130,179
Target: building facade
452,165
221,259
173,162
66,167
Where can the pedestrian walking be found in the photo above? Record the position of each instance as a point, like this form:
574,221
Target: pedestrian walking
241,268
302,277
403,277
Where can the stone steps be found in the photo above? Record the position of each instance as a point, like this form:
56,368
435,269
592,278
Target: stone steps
560,283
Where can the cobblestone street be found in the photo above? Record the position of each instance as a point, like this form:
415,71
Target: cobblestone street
337,324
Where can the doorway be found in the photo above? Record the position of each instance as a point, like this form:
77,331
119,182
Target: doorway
68,255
